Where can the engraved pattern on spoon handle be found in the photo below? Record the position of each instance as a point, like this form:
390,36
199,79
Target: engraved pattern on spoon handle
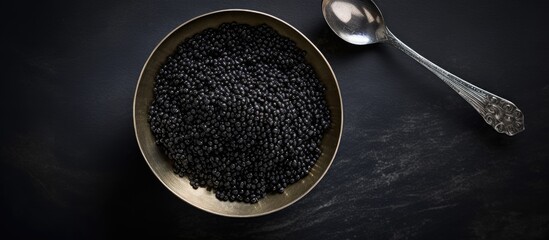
501,114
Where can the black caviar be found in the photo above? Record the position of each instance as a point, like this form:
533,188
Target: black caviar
239,111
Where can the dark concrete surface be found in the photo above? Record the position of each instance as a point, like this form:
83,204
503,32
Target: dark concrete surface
415,161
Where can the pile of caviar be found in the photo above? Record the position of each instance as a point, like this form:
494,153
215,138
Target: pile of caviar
239,111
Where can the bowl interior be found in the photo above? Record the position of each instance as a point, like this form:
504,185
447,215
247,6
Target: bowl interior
162,166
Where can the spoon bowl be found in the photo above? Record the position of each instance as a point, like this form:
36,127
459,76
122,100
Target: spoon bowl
355,21
360,22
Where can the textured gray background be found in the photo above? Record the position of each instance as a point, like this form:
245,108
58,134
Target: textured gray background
415,161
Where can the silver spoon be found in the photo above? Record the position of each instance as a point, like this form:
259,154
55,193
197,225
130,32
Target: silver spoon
360,22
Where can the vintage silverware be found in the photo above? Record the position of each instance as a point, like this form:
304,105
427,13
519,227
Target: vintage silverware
360,22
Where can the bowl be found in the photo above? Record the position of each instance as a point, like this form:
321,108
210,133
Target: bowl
162,166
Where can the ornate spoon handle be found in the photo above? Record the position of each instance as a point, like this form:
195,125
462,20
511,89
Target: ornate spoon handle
498,112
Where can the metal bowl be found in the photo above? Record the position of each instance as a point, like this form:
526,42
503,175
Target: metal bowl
162,166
